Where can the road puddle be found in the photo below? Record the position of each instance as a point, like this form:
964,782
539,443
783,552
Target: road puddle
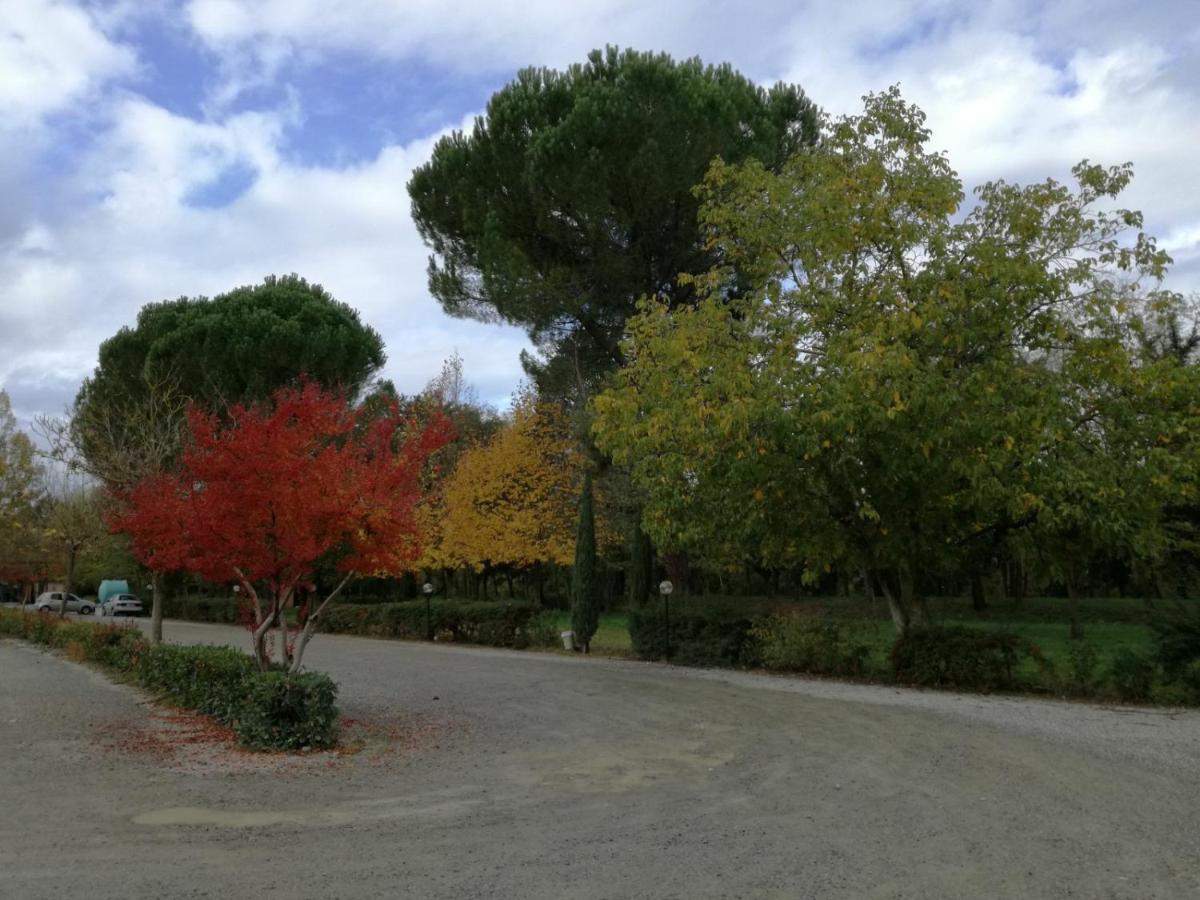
221,818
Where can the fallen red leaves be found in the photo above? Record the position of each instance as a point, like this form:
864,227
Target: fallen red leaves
196,744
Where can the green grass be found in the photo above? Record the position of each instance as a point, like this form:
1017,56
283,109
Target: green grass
1109,624
1051,638
612,635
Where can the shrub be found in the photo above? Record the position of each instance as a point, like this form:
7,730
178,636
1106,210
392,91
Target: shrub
820,647
1177,637
959,657
1132,675
702,633
211,680
1081,668
495,623
288,712
201,609
269,710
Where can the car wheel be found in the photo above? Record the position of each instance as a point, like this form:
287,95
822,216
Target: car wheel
43,609
86,610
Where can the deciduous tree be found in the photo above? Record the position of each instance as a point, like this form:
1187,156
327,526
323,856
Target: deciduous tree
127,419
511,501
22,496
898,385
265,493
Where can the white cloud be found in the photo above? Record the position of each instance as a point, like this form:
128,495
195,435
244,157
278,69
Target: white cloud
69,286
1013,89
51,55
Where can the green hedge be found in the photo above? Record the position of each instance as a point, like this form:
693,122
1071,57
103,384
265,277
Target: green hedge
201,609
495,623
288,712
702,633
959,657
267,710
813,646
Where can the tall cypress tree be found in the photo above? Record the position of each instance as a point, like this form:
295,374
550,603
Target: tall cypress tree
585,606
640,573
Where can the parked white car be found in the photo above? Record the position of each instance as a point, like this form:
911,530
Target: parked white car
121,605
52,602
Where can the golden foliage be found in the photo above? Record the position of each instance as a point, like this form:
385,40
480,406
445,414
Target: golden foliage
510,501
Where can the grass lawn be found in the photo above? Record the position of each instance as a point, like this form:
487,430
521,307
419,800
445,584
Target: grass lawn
1108,623
612,635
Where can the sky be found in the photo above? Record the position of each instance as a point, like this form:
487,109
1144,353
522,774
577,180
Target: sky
152,149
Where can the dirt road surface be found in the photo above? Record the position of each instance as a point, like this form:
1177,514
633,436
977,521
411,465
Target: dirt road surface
487,773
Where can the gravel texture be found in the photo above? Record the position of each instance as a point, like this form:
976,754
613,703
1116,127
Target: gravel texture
486,773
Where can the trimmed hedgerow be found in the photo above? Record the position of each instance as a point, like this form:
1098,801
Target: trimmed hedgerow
211,680
812,646
702,633
1177,637
495,623
1132,675
958,657
201,609
268,710
281,711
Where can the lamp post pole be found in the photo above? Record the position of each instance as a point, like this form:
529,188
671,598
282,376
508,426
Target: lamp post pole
428,589
665,589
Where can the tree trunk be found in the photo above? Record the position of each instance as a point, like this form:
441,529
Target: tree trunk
62,610
156,607
306,633
896,607
906,609
283,640
584,602
978,595
1076,631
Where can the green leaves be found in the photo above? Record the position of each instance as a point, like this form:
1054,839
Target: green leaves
895,388
573,197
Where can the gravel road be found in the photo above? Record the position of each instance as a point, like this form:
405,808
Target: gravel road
529,775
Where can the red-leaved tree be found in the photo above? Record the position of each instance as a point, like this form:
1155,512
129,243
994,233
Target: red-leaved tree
267,492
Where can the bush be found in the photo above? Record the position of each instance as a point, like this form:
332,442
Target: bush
268,710
1132,675
958,657
211,680
1177,637
703,633
201,609
816,646
495,623
1081,668
288,712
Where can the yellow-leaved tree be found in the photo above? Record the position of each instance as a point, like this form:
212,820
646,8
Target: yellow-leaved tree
510,502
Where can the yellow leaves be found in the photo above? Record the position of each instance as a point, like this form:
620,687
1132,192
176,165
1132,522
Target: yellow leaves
512,500
1009,443
1027,502
759,496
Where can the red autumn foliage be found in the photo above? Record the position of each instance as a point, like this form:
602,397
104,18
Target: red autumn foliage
267,491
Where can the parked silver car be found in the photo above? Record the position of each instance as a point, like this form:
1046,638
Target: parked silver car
52,602
121,605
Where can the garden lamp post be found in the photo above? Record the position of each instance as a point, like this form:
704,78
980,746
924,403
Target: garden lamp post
427,587
665,589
